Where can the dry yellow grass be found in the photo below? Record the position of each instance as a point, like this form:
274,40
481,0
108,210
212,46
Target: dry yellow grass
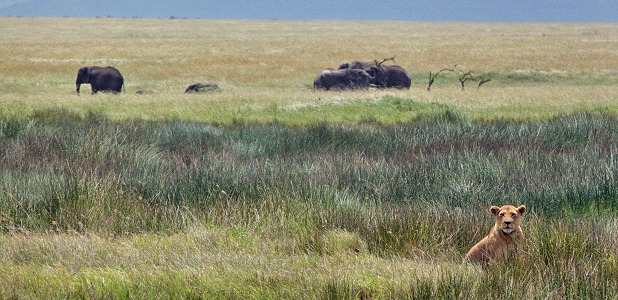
198,259
266,64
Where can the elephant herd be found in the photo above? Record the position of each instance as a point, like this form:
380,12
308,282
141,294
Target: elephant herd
352,75
109,79
360,75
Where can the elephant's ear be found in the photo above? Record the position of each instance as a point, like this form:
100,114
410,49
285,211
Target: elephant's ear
85,74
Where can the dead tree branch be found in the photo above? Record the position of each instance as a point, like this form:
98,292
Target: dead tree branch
432,78
483,81
465,77
385,60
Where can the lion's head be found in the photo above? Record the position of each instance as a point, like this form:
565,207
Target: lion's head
507,217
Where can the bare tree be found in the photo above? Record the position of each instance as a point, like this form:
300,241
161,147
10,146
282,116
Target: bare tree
432,78
470,76
465,77
483,81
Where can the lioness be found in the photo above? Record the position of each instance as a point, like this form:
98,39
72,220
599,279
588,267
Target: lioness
503,237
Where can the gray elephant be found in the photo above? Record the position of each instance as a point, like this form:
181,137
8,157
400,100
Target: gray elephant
202,87
390,77
355,64
385,76
343,79
100,79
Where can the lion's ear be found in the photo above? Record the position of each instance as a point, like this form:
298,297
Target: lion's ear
494,210
521,209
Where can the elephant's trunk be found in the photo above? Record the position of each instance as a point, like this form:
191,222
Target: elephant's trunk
77,84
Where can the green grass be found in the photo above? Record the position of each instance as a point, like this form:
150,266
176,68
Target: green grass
95,208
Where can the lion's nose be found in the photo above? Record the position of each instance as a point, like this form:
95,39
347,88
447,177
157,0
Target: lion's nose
507,222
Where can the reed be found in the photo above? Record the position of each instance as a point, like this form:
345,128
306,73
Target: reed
180,210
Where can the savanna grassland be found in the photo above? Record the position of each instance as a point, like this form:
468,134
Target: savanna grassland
268,189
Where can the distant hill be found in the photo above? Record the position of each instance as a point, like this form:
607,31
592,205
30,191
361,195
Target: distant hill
436,10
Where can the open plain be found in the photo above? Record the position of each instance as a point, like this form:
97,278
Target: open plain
268,189
268,67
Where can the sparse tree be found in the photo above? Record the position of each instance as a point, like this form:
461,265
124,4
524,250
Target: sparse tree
432,77
483,81
465,77
470,76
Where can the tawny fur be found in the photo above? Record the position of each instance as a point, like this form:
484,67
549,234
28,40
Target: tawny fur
502,238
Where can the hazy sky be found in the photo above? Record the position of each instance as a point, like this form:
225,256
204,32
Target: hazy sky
434,10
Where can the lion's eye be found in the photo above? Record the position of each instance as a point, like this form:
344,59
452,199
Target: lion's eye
513,214
502,214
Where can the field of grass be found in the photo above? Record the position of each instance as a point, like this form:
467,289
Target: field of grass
266,68
270,190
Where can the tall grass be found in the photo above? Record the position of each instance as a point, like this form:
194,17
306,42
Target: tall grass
567,162
416,191
57,158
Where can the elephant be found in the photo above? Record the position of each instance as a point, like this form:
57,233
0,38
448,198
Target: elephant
202,87
343,79
100,79
391,77
385,76
355,64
